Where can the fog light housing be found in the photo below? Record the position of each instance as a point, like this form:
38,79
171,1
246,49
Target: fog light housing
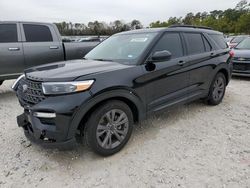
48,115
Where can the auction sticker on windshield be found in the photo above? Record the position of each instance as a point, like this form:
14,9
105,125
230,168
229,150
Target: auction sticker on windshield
139,40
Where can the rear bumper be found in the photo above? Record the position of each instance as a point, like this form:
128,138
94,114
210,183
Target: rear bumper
244,74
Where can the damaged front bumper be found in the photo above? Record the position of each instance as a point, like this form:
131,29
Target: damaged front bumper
45,135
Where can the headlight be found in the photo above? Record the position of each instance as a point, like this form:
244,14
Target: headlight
57,88
15,85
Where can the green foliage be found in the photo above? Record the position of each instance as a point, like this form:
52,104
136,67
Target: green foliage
235,20
243,25
97,28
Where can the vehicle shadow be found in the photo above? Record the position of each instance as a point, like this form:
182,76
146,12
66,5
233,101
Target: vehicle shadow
6,88
241,78
6,95
148,129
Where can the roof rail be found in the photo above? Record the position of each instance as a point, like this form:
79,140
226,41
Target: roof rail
190,26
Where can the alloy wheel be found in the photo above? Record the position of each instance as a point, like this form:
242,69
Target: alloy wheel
112,129
218,89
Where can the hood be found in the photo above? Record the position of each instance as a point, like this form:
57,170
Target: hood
71,70
241,53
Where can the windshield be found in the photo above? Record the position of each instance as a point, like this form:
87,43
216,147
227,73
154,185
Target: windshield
126,48
228,39
238,39
245,44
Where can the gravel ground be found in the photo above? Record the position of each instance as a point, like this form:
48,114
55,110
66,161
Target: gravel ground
191,146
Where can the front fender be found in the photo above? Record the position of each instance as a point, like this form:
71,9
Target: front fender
106,95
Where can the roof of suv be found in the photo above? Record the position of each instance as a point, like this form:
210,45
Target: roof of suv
175,28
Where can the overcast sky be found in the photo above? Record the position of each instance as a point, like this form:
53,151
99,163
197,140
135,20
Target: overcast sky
84,11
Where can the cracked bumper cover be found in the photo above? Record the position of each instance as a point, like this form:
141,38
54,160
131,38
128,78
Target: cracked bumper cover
52,132
37,133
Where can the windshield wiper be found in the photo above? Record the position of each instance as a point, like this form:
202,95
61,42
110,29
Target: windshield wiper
102,59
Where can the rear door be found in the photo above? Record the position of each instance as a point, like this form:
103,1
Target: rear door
202,60
167,82
41,45
11,50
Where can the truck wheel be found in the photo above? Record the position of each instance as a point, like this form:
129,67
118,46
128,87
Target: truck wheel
217,90
109,128
1,82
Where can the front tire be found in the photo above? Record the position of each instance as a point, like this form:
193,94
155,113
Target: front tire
109,128
217,90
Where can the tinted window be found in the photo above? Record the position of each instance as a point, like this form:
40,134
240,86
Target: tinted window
37,33
195,43
244,45
207,44
172,43
220,41
8,33
228,39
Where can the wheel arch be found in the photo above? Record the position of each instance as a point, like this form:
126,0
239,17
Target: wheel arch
224,69
225,73
126,96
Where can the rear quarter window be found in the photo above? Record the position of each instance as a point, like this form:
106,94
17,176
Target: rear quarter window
8,33
219,40
37,33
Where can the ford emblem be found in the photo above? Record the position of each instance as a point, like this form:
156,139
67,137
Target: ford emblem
25,88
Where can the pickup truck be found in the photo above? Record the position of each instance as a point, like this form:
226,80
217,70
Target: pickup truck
28,44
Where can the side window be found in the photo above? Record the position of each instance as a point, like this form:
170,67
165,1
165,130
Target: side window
8,33
195,43
219,40
37,33
208,46
172,43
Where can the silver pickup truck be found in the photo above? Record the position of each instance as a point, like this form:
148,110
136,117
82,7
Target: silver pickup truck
27,44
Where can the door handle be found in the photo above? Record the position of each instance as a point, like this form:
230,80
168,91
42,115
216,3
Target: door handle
14,49
212,54
53,47
181,63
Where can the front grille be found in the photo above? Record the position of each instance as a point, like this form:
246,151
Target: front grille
241,66
29,92
241,59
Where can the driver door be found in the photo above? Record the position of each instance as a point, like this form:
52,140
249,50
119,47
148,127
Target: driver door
167,81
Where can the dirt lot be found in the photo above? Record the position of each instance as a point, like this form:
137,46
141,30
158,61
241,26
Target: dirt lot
191,146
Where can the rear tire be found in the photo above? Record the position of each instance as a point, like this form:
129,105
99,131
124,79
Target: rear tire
217,90
109,128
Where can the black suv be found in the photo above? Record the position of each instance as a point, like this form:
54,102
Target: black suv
120,82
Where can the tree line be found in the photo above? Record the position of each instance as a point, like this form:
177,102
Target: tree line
97,28
230,21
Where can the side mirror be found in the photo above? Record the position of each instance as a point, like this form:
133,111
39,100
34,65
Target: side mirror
161,56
